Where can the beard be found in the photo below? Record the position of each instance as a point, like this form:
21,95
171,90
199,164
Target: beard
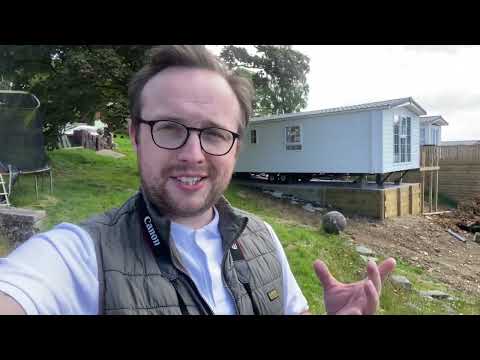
172,207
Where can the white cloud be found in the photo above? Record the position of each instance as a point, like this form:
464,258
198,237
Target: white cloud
449,49
443,79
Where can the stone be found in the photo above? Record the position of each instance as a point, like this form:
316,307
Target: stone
277,194
435,294
308,207
476,238
363,250
18,225
241,195
414,307
333,222
368,258
293,202
450,310
110,153
401,281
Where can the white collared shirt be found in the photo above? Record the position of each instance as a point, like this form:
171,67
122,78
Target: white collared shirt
56,272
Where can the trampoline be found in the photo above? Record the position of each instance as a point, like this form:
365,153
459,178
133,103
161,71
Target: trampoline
22,149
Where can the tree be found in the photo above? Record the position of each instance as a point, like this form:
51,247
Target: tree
278,73
74,82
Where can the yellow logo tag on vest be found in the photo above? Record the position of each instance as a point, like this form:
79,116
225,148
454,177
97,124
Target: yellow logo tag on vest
272,295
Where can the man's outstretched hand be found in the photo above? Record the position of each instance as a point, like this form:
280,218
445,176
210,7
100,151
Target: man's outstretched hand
360,298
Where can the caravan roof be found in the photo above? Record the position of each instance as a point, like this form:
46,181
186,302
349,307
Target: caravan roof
378,105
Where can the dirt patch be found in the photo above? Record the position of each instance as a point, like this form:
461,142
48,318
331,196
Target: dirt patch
423,241
417,240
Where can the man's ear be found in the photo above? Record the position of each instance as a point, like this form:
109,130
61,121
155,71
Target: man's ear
239,144
132,131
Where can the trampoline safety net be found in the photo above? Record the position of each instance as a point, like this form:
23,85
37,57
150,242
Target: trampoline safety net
21,136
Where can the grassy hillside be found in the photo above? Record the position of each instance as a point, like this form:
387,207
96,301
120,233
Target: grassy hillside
86,183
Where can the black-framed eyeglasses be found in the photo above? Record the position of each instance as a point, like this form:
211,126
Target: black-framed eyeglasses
172,135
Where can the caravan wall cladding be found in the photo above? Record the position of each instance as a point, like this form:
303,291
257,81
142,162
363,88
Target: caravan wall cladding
359,142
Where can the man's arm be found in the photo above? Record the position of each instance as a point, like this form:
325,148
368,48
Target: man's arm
9,306
51,273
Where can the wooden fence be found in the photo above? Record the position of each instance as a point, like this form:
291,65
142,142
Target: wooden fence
459,173
429,156
459,179
460,153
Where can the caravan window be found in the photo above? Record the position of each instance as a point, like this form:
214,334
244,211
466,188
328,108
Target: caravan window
253,136
293,138
402,139
422,136
435,136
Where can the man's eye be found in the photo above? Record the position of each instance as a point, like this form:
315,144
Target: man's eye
168,127
217,134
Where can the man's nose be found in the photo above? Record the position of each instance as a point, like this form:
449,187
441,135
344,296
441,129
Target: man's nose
192,150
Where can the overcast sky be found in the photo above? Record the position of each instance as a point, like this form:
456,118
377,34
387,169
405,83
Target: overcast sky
443,79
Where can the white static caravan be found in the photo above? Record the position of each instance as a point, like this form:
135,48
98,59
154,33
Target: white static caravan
374,138
431,130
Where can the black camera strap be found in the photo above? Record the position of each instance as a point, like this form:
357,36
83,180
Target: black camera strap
158,243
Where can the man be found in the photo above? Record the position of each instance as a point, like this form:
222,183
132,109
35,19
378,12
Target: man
177,246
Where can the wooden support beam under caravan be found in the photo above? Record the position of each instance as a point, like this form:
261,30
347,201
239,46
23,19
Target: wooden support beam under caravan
371,201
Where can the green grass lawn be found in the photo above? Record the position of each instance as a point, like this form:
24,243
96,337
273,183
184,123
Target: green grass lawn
303,244
86,184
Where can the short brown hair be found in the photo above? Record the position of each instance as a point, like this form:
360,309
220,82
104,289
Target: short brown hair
193,56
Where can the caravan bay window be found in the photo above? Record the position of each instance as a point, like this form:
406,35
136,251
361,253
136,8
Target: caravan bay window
402,139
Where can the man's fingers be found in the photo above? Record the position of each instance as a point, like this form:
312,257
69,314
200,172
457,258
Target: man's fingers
372,298
324,275
373,275
386,267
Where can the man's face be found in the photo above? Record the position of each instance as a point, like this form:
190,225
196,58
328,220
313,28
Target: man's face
196,98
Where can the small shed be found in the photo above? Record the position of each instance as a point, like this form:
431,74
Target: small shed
374,138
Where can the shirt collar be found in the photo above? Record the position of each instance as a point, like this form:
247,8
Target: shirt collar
211,227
